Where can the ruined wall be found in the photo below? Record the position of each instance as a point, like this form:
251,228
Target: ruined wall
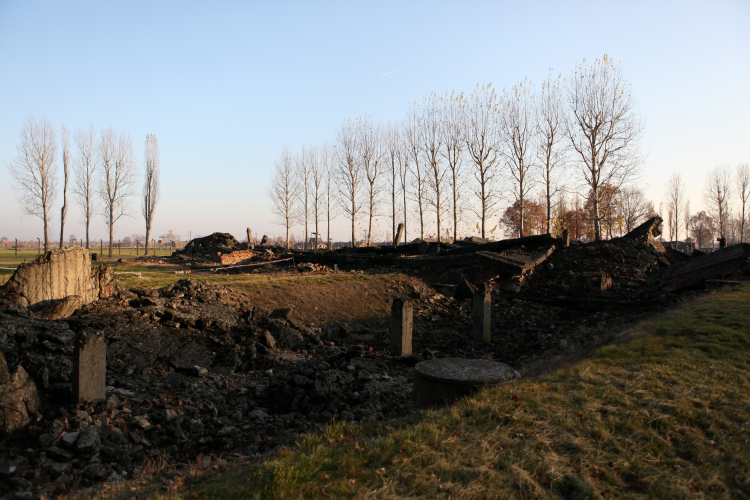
55,275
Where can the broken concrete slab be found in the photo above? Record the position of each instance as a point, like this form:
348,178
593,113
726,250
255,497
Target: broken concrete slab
694,273
399,235
517,264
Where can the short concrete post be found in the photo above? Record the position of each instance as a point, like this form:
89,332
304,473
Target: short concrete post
402,314
250,239
399,234
482,308
566,238
90,368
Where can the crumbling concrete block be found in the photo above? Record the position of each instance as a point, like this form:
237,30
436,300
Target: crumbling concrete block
60,280
19,399
402,321
90,367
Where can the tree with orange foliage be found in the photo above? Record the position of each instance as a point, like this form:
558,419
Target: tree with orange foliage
534,218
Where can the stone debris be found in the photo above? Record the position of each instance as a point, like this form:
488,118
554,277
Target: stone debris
19,401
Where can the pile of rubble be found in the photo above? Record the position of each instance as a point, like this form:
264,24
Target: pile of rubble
189,372
216,242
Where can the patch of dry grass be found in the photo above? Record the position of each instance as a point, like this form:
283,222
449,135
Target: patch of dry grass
663,416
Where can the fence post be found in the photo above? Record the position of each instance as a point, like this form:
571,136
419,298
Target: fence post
16,247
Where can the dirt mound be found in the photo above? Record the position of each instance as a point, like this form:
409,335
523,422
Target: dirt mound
217,242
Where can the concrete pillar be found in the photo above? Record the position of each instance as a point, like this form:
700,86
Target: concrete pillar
482,308
90,368
566,238
250,239
399,234
402,321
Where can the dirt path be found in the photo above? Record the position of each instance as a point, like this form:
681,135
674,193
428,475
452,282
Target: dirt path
349,300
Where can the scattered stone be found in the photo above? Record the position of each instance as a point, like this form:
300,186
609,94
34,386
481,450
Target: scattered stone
281,313
19,400
89,441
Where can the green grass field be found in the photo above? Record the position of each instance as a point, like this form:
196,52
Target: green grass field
9,260
157,276
666,415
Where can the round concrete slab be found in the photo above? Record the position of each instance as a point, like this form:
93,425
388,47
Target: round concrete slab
441,381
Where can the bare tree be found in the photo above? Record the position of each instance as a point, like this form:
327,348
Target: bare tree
432,146
370,157
325,157
552,145
348,174
605,129
453,132
85,174
116,164
482,145
317,180
675,200
413,147
403,178
151,183
742,182
284,192
305,184
517,134
716,193
33,171
393,157
635,208
65,137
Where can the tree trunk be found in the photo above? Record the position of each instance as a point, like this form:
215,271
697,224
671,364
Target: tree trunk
62,217
46,229
148,234
369,225
597,224
111,231
549,200
354,219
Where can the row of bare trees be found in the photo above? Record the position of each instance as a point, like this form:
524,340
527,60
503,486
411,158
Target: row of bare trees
454,159
104,172
726,193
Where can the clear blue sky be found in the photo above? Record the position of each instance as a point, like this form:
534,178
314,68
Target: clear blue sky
225,85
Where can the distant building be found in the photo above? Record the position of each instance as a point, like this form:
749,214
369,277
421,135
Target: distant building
73,240
4,239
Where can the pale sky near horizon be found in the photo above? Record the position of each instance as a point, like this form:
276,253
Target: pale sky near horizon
224,85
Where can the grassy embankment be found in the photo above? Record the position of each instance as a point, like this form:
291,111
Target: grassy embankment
665,415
